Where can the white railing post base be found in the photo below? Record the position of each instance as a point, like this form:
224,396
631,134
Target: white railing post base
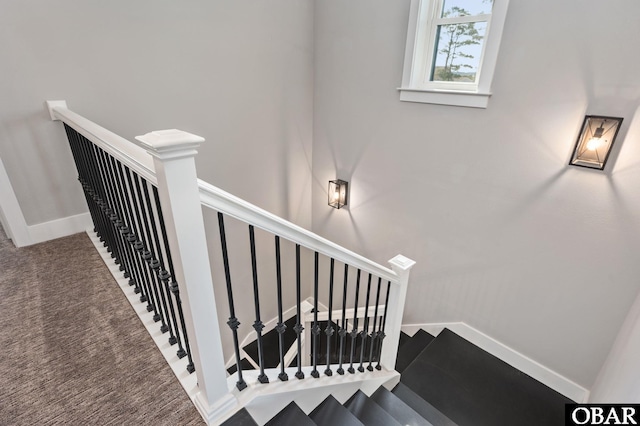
395,309
215,414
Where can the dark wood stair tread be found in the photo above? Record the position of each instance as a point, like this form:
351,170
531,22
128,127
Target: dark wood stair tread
411,348
244,363
241,418
331,413
368,412
422,407
291,415
398,409
403,339
474,388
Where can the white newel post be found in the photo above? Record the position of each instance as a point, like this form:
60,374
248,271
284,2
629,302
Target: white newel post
395,309
173,152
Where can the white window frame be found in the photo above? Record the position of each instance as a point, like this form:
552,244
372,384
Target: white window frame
423,22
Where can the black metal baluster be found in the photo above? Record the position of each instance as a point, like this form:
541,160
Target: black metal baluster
112,211
373,330
377,339
257,325
280,327
165,276
116,211
130,233
365,330
121,224
170,274
127,230
92,184
81,165
354,332
157,263
140,285
145,254
138,243
298,327
150,256
315,329
342,332
102,180
233,321
96,186
381,334
79,161
329,330
104,201
99,184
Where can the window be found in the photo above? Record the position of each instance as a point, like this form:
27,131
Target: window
452,47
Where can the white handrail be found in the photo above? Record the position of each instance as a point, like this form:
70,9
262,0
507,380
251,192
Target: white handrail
130,154
140,161
222,201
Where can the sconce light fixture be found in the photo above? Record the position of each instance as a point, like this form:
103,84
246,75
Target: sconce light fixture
338,193
595,141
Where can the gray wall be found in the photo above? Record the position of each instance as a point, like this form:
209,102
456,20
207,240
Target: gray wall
541,256
238,73
618,379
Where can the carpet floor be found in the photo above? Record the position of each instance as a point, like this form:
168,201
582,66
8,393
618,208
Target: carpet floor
72,350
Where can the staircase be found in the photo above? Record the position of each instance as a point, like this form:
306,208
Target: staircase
147,206
445,381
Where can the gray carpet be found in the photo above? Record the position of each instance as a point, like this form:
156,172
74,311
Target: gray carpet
72,350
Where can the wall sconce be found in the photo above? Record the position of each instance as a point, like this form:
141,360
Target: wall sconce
595,141
338,193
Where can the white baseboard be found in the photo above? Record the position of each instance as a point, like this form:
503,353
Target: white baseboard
528,366
58,228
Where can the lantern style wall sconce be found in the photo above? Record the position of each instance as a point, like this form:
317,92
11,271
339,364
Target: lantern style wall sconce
595,141
338,193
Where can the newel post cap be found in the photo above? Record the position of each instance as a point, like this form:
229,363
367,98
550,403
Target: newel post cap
55,104
171,143
401,263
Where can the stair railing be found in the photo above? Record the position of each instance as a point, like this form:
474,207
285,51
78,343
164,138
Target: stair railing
146,204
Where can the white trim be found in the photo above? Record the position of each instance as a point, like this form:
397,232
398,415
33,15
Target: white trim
512,357
476,95
445,97
16,226
59,228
